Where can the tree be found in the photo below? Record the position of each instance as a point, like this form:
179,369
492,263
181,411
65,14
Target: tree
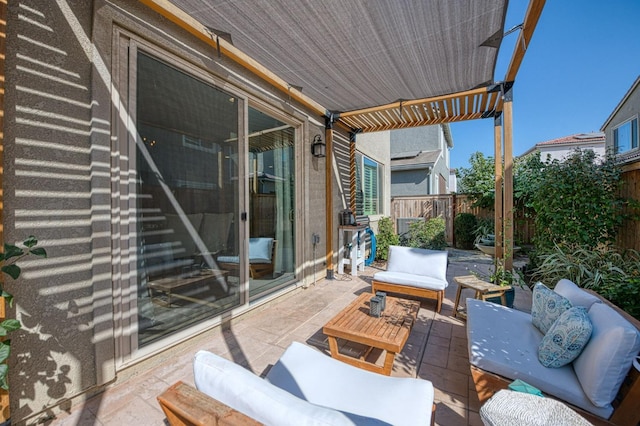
478,180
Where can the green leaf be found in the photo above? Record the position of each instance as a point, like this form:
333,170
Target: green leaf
12,270
10,324
4,369
30,241
38,251
5,350
12,251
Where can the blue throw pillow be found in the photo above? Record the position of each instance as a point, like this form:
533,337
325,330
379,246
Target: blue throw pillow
566,338
546,307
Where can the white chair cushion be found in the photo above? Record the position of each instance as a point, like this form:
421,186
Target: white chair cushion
430,263
359,394
245,392
413,280
607,358
576,295
503,341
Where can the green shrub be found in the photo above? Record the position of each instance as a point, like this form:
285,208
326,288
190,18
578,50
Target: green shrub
464,224
386,237
577,203
426,234
610,273
484,227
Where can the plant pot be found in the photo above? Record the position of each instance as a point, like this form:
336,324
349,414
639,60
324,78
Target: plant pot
510,295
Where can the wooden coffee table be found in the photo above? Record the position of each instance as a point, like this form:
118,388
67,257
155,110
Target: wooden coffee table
389,332
169,285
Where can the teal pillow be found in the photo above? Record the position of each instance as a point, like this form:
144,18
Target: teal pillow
546,307
566,338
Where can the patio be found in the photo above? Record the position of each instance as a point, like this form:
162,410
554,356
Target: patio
436,350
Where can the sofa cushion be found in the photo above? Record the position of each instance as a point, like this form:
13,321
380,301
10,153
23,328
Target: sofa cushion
353,391
546,307
417,261
607,358
245,392
421,281
503,341
260,250
566,338
576,295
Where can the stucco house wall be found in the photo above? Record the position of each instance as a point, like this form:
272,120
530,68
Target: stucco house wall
63,183
376,146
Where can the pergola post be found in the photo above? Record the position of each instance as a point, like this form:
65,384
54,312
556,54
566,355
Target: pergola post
328,137
498,201
352,172
508,175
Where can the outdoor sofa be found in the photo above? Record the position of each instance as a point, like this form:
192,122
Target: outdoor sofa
304,387
600,383
414,272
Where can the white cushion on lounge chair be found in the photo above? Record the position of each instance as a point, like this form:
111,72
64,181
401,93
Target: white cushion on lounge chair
321,380
413,280
260,250
306,387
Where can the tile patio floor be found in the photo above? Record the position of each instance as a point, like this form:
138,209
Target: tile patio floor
436,350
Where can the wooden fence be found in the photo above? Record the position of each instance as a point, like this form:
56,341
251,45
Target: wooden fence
448,206
629,235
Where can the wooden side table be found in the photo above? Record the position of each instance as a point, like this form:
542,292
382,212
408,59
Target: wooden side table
483,291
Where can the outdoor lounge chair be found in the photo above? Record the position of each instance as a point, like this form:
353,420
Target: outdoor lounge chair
262,258
414,272
305,387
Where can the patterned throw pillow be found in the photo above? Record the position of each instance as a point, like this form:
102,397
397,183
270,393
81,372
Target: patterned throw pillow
566,338
546,307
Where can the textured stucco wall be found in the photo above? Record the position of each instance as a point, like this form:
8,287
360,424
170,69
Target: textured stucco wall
60,108
425,138
376,146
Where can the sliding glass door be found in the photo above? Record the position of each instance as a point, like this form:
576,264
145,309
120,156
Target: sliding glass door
187,198
271,202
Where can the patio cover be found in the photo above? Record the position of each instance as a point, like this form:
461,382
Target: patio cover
353,57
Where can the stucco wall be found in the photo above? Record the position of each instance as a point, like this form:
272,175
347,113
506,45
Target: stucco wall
426,138
376,146
62,104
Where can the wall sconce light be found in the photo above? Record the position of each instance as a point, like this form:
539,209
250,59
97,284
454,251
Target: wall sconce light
318,147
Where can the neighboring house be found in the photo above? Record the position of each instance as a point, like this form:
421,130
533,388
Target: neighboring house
621,128
560,148
453,181
420,161
373,176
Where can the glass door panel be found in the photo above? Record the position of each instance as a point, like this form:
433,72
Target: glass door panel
187,199
271,203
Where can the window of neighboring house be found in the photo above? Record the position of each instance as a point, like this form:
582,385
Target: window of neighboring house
369,186
625,136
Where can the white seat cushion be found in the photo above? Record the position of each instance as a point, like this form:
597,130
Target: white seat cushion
243,391
503,341
402,278
322,380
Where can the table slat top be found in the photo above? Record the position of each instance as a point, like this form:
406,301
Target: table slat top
388,332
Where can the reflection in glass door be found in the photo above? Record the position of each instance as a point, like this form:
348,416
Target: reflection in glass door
187,198
272,203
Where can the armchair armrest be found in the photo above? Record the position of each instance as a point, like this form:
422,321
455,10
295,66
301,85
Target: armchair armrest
186,406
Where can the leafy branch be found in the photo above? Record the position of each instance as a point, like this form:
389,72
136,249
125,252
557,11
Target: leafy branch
9,258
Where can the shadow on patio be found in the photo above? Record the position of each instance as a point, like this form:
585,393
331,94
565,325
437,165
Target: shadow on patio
436,349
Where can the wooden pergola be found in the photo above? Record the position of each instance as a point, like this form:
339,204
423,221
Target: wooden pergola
493,101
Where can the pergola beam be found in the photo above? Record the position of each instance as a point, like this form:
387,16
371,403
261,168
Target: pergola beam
530,21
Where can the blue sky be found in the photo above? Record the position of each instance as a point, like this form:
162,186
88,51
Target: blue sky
583,58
